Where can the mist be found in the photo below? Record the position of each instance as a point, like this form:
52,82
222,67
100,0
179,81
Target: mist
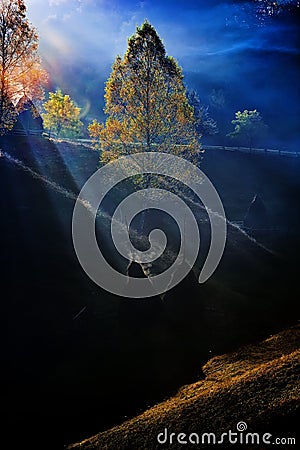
234,54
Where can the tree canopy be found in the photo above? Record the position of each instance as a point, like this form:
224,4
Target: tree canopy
205,124
20,68
146,103
62,116
249,126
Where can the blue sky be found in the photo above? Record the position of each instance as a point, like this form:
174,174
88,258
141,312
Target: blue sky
216,42
98,29
75,26
101,28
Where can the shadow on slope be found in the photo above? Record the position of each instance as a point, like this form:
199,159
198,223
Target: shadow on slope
67,378
257,384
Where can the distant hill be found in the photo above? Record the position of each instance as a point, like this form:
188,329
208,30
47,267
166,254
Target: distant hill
258,384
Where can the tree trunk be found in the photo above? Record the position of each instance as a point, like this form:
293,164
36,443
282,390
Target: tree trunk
144,212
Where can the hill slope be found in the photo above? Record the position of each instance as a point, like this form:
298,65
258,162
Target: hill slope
73,376
257,384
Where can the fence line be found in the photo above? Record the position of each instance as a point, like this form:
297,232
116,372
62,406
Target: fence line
254,151
251,151
26,132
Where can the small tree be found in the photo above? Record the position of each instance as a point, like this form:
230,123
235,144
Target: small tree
205,125
62,116
20,69
146,103
249,126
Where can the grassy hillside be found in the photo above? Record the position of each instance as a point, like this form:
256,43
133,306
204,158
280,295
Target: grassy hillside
74,376
258,384
239,176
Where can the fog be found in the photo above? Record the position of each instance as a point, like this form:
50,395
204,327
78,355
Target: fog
235,54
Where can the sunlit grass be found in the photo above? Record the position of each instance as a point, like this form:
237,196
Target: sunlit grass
255,384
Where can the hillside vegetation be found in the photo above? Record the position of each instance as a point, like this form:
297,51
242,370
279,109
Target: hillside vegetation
73,376
258,384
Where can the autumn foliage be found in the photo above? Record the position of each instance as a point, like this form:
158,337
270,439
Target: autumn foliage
146,103
62,116
21,73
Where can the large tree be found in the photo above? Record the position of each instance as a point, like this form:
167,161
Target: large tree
146,103
20,69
